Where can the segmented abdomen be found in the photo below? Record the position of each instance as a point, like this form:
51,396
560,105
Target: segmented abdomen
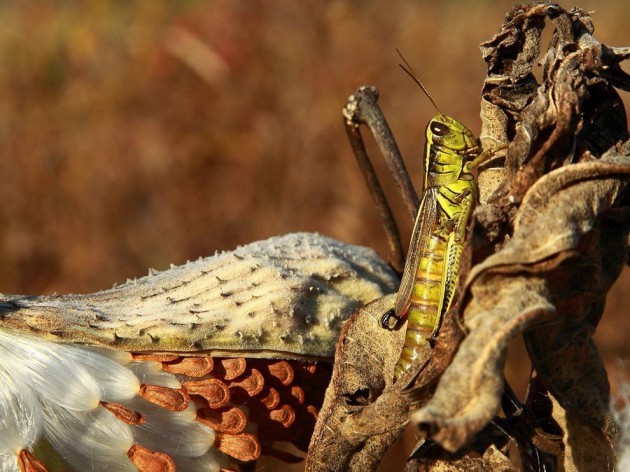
424,309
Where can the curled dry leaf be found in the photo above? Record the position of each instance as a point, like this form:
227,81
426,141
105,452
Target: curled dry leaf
558,198
491,460
552,284
364,368
586,446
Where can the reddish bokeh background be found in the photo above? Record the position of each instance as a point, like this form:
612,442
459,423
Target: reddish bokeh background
138,134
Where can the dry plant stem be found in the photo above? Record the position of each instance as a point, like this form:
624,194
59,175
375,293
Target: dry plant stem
554,233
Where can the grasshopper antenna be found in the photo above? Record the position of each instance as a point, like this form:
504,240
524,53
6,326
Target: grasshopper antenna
409,70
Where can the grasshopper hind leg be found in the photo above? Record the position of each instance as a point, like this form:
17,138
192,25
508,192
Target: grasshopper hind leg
362,109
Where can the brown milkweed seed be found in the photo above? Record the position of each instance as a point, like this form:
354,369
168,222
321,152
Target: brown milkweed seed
124,414
149,461
169,398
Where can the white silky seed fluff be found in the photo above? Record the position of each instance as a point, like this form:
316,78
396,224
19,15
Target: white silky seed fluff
150,372
44,367
173,432
116,383
212,461
89,437
89,434
20,415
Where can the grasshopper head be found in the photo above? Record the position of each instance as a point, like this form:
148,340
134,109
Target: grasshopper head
447,132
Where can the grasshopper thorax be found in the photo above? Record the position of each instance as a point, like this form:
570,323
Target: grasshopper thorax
450,145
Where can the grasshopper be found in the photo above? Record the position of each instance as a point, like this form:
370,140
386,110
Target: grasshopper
432,266
442,223
444,218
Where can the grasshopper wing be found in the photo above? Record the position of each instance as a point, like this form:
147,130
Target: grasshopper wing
425,223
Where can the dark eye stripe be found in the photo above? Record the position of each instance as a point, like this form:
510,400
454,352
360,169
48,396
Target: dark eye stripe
439,129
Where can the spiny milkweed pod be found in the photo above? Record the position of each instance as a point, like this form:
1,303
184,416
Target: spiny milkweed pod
194,368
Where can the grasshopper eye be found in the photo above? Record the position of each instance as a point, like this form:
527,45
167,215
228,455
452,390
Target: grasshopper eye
439,129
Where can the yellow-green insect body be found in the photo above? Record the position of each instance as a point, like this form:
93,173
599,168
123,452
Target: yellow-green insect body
432,266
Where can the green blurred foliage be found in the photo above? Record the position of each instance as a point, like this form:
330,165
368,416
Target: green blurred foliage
142,133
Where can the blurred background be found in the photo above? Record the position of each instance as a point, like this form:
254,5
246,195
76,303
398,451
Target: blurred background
141,133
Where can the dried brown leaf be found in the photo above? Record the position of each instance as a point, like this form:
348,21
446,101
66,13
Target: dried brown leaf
568,242
586,447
